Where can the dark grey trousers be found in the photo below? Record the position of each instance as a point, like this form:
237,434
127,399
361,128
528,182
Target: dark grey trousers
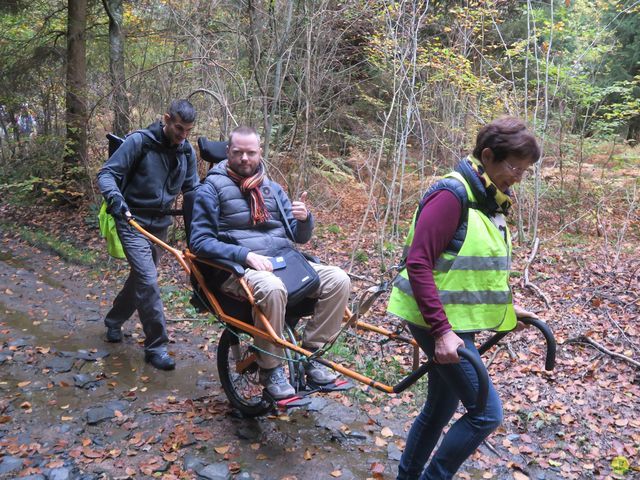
141,291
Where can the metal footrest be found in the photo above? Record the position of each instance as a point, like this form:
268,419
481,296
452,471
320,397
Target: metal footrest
292,402
295,401
339,385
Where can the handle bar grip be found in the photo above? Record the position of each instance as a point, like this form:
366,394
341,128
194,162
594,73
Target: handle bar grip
550,360
483,377
476,363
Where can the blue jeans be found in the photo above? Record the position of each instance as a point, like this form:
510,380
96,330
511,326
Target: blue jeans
448,385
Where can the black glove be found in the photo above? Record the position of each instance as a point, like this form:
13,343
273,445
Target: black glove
117,206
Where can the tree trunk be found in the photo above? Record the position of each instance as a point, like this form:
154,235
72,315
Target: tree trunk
633,133
121,123
76,115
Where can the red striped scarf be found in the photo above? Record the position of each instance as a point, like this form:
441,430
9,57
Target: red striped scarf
251,186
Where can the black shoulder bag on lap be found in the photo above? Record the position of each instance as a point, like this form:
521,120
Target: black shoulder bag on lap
292,267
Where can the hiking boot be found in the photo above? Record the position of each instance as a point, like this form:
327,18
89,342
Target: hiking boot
114,334
161,360
319,374
275,383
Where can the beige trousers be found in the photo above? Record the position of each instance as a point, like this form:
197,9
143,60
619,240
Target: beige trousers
271,296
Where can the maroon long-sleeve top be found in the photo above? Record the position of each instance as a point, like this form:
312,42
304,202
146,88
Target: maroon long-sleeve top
435,228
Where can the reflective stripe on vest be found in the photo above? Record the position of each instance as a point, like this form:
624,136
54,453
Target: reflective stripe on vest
473,263
472,284
460,297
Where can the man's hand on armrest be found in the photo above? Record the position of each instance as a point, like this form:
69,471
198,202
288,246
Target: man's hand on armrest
259,262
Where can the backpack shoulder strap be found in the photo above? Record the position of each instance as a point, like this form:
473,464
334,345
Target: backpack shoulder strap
187,150
145,144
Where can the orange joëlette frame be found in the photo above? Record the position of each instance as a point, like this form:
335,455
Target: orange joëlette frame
188,261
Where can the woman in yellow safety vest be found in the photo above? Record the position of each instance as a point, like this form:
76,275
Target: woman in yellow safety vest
455,284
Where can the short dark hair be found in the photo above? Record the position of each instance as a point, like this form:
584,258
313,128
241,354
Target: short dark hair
243,130
507,136
183,109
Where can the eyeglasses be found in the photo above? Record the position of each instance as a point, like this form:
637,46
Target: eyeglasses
517,170
242,153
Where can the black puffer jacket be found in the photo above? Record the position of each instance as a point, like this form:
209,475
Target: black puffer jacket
222,225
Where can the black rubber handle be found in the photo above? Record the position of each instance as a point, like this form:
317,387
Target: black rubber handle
550,360
476,363
492,341
157,212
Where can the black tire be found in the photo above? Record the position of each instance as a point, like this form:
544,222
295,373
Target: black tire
243,389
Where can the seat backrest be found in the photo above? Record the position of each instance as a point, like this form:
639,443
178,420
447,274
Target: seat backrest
187,212
212,151
114,142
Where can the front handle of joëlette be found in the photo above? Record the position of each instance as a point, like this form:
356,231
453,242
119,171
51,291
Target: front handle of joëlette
176,253
476,363
550,359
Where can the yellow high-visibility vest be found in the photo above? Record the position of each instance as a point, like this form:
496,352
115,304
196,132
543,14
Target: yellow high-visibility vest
473,283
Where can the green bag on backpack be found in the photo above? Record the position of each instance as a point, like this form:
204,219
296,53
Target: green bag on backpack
106,221
109,233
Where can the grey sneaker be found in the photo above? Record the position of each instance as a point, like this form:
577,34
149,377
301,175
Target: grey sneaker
319,374
276,384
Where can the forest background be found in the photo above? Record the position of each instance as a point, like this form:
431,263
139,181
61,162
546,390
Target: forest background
364,104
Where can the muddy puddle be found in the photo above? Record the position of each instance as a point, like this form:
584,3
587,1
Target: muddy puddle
80,386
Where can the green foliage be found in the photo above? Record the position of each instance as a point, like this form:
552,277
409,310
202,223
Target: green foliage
390,247
177,299
387,370
623,19
361,256
368,78
342,350
570,239
21,192
36,172
333,170
40,156
383,368
630,157
333,228
35,188
176,233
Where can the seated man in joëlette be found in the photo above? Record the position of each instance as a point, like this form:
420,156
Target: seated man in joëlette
236,217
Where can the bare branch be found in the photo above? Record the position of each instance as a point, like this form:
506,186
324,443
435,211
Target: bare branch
527,283
603,349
